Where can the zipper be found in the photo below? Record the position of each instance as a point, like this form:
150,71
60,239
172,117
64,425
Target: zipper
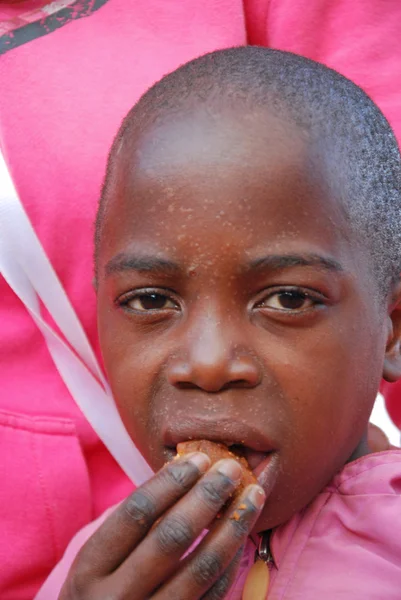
263,551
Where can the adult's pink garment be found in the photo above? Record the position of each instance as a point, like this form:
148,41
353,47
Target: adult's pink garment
66,82
345,545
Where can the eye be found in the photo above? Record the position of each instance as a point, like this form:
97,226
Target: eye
289,301
149,301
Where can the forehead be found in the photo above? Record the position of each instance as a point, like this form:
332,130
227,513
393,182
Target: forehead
245,179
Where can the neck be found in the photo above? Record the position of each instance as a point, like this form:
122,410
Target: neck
362,449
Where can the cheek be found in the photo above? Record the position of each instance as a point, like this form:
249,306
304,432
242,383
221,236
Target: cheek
329,382
328,398
133,369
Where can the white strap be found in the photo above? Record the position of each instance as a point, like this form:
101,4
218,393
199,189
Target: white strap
26,268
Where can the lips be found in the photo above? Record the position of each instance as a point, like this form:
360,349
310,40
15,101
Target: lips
242,439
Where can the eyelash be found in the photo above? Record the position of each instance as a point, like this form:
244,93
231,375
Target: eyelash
316,299
123,301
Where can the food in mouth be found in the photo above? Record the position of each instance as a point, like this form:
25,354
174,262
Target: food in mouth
217,451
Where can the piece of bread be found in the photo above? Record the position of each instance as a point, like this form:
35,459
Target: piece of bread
216,452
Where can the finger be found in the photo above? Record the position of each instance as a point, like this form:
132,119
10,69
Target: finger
159,554
128,524
224,583
207,563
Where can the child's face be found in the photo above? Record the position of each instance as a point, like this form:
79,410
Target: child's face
235,305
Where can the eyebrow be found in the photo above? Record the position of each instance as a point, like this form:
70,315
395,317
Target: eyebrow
143,264
153,264
278,262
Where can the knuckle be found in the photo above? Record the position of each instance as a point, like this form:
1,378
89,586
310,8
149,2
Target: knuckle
140,509
220,588
223,583
174,535
215,491
206,567
242,521
181,474
241,527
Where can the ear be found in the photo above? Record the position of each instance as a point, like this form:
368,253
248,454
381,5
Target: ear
392,358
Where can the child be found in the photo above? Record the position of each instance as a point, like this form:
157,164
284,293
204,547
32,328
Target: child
248,259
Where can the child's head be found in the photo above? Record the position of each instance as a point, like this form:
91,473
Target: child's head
248,253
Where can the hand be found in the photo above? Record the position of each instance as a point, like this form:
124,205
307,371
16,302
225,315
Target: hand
136,554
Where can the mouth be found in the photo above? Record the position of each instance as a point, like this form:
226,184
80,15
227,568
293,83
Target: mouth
253,457
242,440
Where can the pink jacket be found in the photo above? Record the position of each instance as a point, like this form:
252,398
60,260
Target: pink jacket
63,95
345,545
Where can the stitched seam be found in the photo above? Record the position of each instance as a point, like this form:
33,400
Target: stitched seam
46,503
35,424
38,430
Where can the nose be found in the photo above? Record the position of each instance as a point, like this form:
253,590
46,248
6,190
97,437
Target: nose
214,359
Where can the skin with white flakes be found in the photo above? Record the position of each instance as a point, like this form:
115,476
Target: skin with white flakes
217,298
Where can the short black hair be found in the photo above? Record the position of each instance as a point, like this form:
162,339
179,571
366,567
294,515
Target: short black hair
364,156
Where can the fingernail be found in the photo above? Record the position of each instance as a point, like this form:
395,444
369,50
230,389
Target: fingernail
230,468
256,495
201,461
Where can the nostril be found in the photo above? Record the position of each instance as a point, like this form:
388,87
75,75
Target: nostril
186,385
237,383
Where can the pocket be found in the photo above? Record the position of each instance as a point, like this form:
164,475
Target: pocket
45,498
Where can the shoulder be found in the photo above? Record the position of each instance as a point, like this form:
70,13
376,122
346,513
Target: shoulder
377,473
347,542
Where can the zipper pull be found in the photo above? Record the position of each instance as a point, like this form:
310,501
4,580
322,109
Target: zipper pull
258,579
